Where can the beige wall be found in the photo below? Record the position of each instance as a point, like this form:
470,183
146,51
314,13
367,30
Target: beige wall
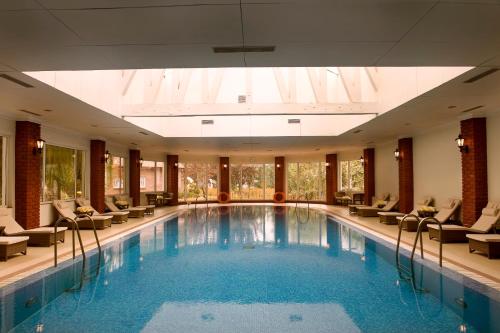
437,164
386,170
493,132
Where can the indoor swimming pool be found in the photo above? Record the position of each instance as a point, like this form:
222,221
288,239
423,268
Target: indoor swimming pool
248,269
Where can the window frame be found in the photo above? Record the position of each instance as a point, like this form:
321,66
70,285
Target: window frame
121,190
84,171
349,177
3,201
320,191
155,168
262,180
206,171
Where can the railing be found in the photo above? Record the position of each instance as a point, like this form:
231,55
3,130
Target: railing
410,272
74,226
307,199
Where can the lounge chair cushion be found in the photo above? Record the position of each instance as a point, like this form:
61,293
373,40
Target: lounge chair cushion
448,227
490,238
391,214
489,211
95,218
13,240
11,226
44,230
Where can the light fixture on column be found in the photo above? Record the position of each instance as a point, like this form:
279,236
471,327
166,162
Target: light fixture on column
397,155
327,164
106,156
176,165
461,144
39,146
278,165
225,166
362,160
141,160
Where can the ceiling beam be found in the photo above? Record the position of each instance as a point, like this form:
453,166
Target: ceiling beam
317,78
351,79
127,77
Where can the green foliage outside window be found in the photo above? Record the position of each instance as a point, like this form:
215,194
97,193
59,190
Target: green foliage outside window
306,180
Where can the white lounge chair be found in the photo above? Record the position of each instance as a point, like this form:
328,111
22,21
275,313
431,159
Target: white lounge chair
43,236
117,217
445,213
391,217
65,209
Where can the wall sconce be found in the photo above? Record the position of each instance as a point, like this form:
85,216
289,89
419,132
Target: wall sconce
278,165
141,160
461,144
176,165
397,154
327,164
362,160
225,166
39,146
106,156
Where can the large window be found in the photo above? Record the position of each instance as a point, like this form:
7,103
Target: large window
115,176
252,181
306,179
352,175
197,180
152,176
2,171
63,173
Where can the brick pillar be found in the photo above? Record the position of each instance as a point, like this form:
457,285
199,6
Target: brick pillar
224,174
405,147
474,169
173,178
27,177
279,174
134,171
331,178
97,174
369,174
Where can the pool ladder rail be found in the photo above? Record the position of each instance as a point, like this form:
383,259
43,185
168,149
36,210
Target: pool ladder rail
306,197
410,271
74,227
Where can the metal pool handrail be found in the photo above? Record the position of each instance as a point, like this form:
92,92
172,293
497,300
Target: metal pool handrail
74,226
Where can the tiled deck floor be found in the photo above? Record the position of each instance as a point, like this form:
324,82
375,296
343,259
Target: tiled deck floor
456,256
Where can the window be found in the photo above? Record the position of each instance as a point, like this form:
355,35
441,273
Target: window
252,181
352,175
115,176
62,174
198,179
2,170
152,176
306,178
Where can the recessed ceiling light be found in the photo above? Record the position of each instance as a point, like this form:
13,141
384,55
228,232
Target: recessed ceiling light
133,143
47,110
207,122
473,108
407,124
294,121
452,106
93,125
243,49
186,150
143,133
357,131
30,112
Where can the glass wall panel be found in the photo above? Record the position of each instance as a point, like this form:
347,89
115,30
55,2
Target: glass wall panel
252,181
63,172
152,176
160,176
352,175
115,175
306,179
198,180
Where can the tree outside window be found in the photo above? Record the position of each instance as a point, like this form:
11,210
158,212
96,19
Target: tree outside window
197,180
252,181
114,179
352,175
62,173
306,180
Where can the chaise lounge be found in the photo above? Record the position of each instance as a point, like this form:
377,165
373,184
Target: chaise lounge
488,244
373,211
117,217
353,209
458,233
446,212
43,236
12,245
150,209
391,217
134,212
84,221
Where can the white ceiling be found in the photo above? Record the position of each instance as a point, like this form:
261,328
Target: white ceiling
120,34
421,114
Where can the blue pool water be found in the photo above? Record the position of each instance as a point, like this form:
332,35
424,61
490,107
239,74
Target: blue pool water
248,269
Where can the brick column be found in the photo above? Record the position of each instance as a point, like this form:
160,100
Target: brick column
369,174
405,147
27,177
97,174
173,178
224,174
331,178
134,171
279,174
474,169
